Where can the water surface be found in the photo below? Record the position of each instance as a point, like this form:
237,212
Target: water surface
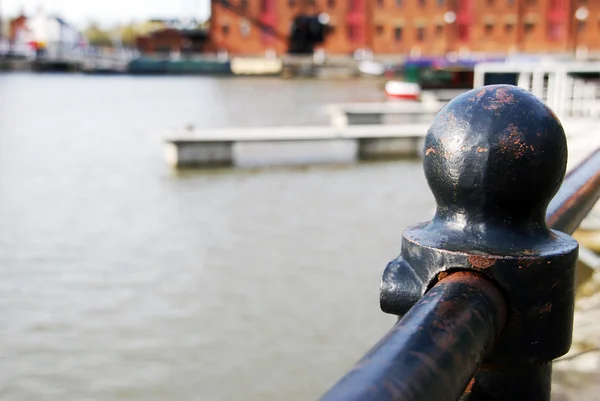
122,280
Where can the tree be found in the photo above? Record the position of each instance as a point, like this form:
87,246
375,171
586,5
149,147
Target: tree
97,36
128,34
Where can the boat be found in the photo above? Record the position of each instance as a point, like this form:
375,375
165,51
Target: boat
440,73
402,90
368,67
147,65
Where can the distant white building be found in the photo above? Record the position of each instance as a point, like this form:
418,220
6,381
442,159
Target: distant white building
49,33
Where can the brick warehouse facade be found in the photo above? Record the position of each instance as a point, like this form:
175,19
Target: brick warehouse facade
233,26
418,27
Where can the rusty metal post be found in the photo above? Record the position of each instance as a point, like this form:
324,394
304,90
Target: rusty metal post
494,158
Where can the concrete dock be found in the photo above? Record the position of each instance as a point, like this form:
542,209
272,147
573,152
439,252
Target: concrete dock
407,112
249,147
335,144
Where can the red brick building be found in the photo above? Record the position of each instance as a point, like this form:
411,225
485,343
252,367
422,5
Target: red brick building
418,27
235,24
532,26
17,27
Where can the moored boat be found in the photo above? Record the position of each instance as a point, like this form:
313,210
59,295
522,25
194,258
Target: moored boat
402,90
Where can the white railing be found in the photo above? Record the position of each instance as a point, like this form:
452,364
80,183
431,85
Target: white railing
556,83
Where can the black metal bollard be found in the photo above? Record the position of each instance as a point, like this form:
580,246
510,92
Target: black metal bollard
494,158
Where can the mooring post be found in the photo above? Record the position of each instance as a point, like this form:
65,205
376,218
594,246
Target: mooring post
494,158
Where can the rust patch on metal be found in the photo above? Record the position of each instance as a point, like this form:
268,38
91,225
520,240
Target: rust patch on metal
502,97
430,150
445,308
547,308
481,262
482,150
493,106
442,275
427,361
449,117
470,386
525,263
514,142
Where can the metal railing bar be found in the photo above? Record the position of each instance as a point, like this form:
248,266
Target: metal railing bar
577,196
434,350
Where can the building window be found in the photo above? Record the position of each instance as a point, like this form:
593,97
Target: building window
509,28
439,30
463,32
379,29
555,31
351,31
331,3
528,28
489,29
225,29
420,34
244,28
398,33
266,5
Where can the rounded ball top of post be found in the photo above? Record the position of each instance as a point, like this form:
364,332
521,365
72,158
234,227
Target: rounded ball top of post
495,153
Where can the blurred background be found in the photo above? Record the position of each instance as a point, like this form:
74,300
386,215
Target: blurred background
128,278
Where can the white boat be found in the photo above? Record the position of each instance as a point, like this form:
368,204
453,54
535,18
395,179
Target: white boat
368,67
402,90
